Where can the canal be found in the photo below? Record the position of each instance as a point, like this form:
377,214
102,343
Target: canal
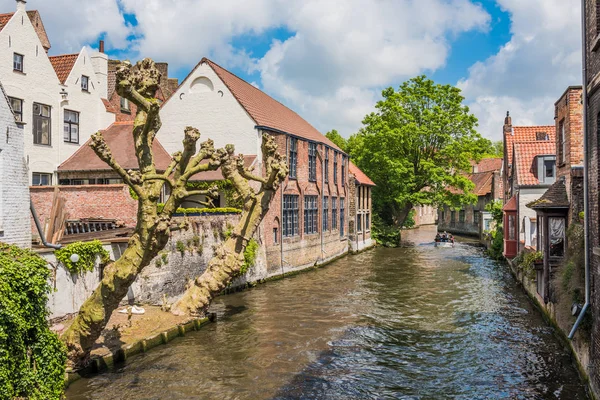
417,322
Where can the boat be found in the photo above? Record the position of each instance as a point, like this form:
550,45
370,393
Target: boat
444,241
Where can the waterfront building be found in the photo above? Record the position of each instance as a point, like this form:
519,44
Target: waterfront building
57,99
473,219
528,170
360,209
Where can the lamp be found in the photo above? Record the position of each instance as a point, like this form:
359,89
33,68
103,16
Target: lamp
74,258
64,94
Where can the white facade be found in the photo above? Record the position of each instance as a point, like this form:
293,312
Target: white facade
38,83
527,216
204,102
15,222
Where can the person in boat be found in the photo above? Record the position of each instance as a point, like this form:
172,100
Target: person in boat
438,237
451,239
445,235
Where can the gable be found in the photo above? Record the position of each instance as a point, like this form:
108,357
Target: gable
36,22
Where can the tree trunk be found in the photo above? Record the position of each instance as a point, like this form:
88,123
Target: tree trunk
401,214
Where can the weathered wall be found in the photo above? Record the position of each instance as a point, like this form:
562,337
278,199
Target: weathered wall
14,193
87,201
425,215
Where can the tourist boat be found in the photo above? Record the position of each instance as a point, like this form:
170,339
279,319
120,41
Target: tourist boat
444,242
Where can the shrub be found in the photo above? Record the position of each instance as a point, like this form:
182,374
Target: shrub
497,246
32,358
87,252
250,254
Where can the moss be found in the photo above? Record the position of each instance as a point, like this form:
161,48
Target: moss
180,246
165,258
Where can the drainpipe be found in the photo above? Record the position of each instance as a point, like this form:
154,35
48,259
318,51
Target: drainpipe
281,188
586,206
39,228
322,156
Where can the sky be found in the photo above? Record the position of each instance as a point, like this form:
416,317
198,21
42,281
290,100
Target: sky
329,60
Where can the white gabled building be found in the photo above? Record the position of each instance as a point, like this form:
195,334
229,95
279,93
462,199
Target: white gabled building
15,220
58,100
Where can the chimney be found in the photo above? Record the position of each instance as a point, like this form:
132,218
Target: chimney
101,46
508,124
21,5
100,65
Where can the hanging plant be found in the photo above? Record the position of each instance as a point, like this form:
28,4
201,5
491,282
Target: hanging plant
87,252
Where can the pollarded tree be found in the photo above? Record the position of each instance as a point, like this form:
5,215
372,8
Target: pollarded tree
417,148
138,84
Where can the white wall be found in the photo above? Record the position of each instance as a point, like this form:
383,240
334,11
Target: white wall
527,195
204,102
15,223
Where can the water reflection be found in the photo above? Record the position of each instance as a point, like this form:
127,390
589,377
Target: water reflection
413,323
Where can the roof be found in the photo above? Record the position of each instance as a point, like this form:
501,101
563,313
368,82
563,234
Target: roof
36,21
360,176
63,65
525,154
487,164
109,107
526,134
555,197
119,138
511,205
217,175
266,111
483,182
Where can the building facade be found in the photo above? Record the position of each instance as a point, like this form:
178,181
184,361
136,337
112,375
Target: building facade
360,209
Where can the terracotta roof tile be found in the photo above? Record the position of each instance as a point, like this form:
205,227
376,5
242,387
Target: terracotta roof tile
360,176
109,107
487,164
266,111
217,175
525,153
483,182
511,205
555,197
119,138
63,65
526,134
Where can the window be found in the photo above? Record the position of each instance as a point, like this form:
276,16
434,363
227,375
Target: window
290,215
443,215
452,216
71,126
359,218
85,80
563,143
511,228
367,222
293,158
334,213
311,214
125,105
41,124
461,216
476,216
326,164
343,171
275,236
39,179
342,214
312,162
335,167
325,213
17,108
18,62
556,233
549,169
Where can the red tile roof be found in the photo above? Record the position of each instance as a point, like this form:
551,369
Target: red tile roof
525,154
266,111
511,205
487,164
483,182
526,134
217,175
119,138
109,107
36,21
63,65
360,176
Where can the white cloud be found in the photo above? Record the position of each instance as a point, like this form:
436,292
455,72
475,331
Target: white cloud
71,24
532,70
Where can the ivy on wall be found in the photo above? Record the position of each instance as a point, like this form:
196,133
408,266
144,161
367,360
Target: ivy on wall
32,358
87,252
250,254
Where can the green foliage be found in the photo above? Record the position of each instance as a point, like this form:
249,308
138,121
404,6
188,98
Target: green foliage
497,247
336,138
32,358
180,247
250,254
216,210
495,149
581,215
385,235
572,277
225,187
529,259
417,147
495,208
87,251
409,222
165,258
133,194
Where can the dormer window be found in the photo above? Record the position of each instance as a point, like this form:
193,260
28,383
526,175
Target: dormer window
18,62
85,80
542,136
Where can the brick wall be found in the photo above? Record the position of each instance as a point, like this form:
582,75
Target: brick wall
14,195
425,215
88,201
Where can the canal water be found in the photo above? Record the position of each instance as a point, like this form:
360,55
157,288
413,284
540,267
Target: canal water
417,322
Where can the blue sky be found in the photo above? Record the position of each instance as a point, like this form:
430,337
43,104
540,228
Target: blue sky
328,60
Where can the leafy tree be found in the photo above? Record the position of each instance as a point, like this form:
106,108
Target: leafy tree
496,150
336,138
417,147
139,85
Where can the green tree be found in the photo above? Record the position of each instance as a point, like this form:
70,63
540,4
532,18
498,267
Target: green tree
336,138
417,147
496,149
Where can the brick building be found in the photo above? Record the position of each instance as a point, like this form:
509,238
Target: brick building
473,219
359,209
14,192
